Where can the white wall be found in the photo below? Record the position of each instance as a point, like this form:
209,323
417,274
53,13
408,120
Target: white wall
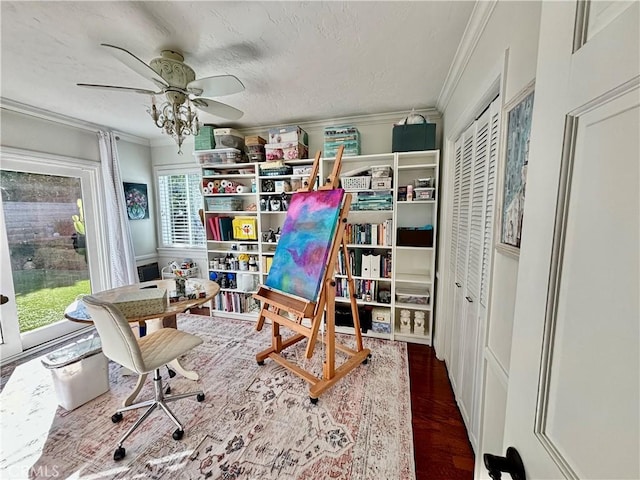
28,132
135,167
511,33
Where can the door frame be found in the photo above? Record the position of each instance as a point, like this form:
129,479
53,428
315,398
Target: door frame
14,345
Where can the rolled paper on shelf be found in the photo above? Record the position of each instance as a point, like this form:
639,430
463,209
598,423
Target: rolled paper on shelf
206,190
216,185
230,189
224,183
241,189
210,186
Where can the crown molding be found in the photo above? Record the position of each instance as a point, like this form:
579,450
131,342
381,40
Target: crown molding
480,15
76,123
358,120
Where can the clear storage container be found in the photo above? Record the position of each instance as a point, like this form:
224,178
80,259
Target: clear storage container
80,372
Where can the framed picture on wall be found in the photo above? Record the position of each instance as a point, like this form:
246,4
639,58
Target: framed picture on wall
137,200
517,127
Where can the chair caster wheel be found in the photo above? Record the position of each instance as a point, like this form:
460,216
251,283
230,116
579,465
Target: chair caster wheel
260,362
200,397
313,400
171,373
115,418
177,435
365,361
119,454
168,390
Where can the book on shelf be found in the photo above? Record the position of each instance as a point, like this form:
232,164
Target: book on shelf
235,302
370,233
365,264
221,228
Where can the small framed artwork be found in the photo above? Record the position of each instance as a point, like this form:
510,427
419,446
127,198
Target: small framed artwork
137,200
515,161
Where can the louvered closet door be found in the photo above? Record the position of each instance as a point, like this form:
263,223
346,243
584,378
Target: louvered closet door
487,241
487,248
466,171
470,344
454,339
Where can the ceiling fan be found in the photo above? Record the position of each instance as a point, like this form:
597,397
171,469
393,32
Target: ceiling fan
177,81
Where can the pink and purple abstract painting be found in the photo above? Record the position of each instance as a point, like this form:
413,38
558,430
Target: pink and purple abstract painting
300,258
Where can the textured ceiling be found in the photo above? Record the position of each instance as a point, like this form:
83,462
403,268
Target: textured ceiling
299,61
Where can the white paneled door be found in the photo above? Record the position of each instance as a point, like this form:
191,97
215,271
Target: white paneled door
574,384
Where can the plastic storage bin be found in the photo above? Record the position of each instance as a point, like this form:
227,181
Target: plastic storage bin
222,204
218,155
80,372
413,295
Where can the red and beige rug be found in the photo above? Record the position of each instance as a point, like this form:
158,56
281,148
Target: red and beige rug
256,422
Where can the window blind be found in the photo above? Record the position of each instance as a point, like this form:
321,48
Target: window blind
180,201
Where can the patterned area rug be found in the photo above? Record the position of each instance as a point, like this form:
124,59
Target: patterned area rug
256,422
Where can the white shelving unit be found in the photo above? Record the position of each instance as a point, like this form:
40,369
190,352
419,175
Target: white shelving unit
410,268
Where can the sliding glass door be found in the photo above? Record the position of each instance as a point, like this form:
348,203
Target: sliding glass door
47,247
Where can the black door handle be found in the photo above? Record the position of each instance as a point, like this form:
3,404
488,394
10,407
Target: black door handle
511,464
3,299
469,299
458,285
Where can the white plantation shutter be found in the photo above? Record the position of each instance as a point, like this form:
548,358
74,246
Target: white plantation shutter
455,214
487,242
180,200
477,205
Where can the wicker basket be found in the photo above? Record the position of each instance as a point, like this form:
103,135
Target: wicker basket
356,183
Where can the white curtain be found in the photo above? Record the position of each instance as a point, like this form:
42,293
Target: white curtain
122,259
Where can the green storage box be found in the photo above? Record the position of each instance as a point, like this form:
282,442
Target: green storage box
205,140
409,138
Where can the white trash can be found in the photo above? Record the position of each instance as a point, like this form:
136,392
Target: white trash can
80,372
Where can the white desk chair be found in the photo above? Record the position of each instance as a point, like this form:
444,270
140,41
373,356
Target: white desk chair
142,356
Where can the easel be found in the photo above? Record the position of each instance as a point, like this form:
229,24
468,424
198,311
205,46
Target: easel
274,302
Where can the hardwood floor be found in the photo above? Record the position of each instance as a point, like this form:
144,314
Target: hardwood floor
441,446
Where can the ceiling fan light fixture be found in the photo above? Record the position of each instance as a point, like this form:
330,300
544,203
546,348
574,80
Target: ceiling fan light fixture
177,116
176,120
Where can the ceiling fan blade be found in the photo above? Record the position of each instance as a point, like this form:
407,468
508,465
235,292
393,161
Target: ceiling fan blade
216,86
216,108
137,65
120,89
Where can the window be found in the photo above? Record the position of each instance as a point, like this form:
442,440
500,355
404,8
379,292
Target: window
180,200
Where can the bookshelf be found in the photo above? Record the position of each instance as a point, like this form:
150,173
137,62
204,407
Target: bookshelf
392,270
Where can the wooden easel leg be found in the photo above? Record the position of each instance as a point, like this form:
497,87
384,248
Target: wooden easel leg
276,339
330,357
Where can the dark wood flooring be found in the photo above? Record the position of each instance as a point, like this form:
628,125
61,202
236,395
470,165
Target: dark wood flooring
441,446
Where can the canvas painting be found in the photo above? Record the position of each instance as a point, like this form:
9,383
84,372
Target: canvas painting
300,258
135,195
515,169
